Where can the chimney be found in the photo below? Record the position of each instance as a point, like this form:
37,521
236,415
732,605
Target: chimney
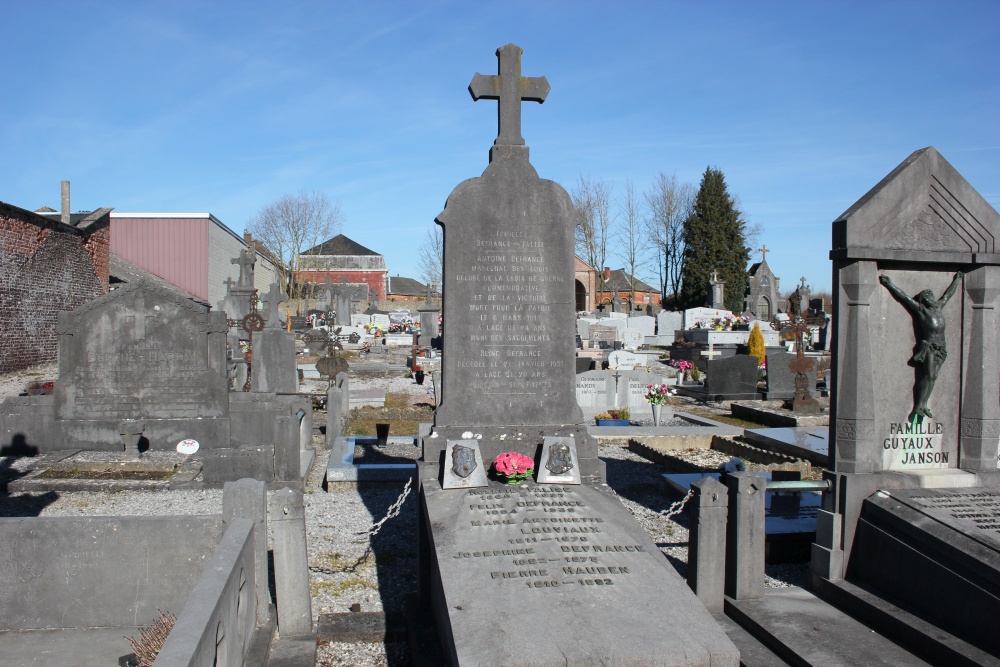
607,274
65,203
248,237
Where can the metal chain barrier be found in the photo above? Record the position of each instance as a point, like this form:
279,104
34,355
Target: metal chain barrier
677,507
391,513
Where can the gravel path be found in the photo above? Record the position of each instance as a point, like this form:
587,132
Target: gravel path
347,566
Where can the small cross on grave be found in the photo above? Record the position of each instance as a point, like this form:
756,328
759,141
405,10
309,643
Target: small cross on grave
229,285
246,261
509,88
274,298
711,353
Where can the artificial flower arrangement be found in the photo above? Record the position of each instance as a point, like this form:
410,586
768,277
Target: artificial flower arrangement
616,413
513,468
656,394
683,365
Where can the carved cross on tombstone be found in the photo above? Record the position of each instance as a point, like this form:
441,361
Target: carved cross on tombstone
509,88
274,298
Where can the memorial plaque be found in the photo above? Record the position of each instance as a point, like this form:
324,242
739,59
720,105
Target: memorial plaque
141,352
972,511
463,465
558,464
545,557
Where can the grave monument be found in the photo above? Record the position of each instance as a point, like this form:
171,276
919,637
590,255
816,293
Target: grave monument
915,420
538,574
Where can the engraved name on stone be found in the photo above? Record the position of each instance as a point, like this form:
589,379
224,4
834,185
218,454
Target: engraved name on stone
551,551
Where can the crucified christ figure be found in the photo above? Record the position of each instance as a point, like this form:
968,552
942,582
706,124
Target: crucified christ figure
928,313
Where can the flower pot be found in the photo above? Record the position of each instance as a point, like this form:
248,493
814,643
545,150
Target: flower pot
656,414
418,376
613,422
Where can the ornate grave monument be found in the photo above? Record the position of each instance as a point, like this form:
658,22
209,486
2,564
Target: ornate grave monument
563,568
915,420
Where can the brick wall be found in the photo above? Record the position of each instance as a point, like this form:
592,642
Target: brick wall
374,279
45,267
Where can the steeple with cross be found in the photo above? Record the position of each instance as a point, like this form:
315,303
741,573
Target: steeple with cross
509,88
763,252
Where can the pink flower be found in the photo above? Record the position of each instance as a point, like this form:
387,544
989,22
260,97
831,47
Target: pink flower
512,463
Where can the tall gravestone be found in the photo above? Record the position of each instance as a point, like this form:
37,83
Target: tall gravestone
915,355
562,570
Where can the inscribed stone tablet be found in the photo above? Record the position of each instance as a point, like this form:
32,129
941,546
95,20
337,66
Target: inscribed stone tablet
141,352
550,561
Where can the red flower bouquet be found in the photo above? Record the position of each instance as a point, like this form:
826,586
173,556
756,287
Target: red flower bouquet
513,468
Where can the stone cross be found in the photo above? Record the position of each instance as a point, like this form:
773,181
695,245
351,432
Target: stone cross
712,353
246,261
803,281
229,285
509,88
763,252
274,298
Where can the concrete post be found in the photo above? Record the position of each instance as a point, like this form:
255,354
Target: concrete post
707,542
247,499
287,465
745,536
334,415
291,563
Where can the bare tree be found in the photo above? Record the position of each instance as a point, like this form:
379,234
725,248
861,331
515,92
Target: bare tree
430,256
592,200
632,247
668,204
291,225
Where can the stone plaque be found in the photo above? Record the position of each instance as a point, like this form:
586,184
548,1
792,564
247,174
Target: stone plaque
381,320
972,511
550,561
633,339
141,352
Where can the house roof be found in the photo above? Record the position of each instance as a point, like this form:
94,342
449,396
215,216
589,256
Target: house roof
340,245
406,286
81,220
620,281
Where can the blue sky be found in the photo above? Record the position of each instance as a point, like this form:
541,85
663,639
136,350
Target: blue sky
225,106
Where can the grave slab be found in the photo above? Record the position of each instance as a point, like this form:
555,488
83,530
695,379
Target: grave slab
811,444
548,562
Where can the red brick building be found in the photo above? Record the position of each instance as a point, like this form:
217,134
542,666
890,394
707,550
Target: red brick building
344,260
49,262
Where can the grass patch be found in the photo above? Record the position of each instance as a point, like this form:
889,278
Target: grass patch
335,588
398,413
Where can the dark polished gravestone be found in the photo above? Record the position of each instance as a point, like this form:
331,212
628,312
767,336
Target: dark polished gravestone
541,574
727,379
781,377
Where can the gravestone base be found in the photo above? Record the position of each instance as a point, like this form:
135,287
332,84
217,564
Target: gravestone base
159,434
568,576
949,541
526,440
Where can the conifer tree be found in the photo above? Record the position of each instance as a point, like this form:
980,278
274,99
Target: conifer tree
755,344
715,237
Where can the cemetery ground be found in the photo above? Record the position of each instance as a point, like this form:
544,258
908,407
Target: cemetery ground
361,583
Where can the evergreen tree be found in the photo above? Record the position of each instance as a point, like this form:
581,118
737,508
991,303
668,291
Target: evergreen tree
715,238
755,344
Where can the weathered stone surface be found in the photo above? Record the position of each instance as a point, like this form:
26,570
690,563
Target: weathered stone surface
544,574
